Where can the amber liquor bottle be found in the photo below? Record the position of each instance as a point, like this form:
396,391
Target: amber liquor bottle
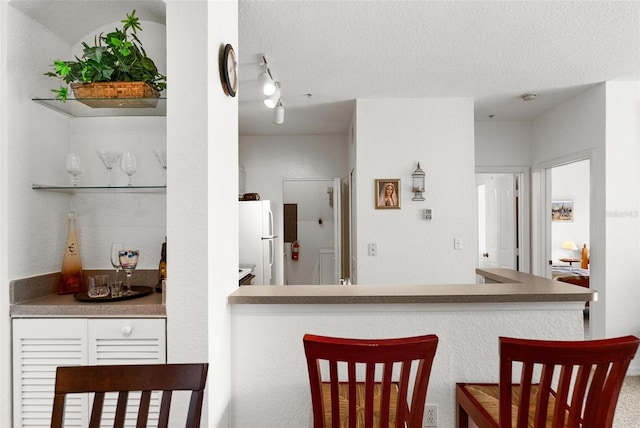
71,274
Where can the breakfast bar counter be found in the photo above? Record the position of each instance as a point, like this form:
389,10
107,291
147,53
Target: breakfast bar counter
268,323
501,285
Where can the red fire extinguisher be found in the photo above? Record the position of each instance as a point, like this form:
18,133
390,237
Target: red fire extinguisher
295,250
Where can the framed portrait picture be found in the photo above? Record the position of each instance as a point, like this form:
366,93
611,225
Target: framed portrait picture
562,211
387,193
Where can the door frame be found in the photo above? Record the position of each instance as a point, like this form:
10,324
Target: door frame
524,209
544,205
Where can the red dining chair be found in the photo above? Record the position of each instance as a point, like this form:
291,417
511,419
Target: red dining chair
128,378
366,382
562,384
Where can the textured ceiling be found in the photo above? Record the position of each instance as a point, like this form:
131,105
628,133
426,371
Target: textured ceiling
338,51
491,51
87,15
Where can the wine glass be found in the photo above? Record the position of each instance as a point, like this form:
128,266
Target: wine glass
109,159
161,155
128,165
128,261
74,167
116,247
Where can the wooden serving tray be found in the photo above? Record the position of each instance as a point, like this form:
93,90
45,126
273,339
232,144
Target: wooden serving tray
139,290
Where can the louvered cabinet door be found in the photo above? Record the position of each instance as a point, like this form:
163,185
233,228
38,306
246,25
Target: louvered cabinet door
39,346
127,341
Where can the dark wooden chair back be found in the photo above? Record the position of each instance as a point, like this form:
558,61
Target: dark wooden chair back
128,378
367,381
578,385
558,384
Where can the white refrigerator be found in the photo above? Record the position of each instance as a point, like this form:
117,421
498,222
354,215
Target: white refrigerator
257,240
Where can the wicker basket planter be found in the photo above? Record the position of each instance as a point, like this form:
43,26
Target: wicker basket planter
116,94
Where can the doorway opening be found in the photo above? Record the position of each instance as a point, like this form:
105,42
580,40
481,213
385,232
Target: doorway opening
313,241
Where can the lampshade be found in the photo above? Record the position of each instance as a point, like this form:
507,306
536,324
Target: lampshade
279,115
569,245
272,100
266,83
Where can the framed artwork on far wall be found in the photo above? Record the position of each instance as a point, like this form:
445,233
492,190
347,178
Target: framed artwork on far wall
562,211
387,193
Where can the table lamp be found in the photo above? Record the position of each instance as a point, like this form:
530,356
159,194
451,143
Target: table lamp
570,246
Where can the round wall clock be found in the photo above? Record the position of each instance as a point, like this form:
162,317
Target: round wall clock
229,71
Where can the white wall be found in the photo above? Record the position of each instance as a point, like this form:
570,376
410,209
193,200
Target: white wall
187,189
570,182
38,220
467,348
566,132
622,209
603,121
5,326
502,143
270,159
222,167
202,148
392,136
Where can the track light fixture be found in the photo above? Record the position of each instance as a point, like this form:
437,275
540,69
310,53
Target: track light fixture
265,80
271,89
266,83
279,116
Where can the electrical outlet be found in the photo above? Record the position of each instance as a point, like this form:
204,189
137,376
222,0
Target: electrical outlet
430,415
373,250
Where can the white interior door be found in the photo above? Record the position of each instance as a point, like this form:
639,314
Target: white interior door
497,207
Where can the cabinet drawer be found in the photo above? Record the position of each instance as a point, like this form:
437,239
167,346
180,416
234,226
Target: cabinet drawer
127,341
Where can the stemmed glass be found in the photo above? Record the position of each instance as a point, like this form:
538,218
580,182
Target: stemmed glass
116,247
109,159
128,165
74,167
161,155
128,262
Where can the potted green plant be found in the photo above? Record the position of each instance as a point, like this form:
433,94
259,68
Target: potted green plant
116,66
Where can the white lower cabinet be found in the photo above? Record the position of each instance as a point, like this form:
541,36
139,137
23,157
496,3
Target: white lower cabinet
42,344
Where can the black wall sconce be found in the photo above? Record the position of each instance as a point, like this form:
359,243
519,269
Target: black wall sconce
418,184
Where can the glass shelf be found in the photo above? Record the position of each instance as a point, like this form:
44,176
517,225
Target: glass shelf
75,108
100,189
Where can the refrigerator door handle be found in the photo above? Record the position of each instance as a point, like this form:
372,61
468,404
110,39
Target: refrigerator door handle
270,222
271,253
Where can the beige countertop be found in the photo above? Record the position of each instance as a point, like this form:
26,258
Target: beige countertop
509,286
36,297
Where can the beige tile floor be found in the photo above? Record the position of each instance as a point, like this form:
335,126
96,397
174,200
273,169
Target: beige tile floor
628,409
